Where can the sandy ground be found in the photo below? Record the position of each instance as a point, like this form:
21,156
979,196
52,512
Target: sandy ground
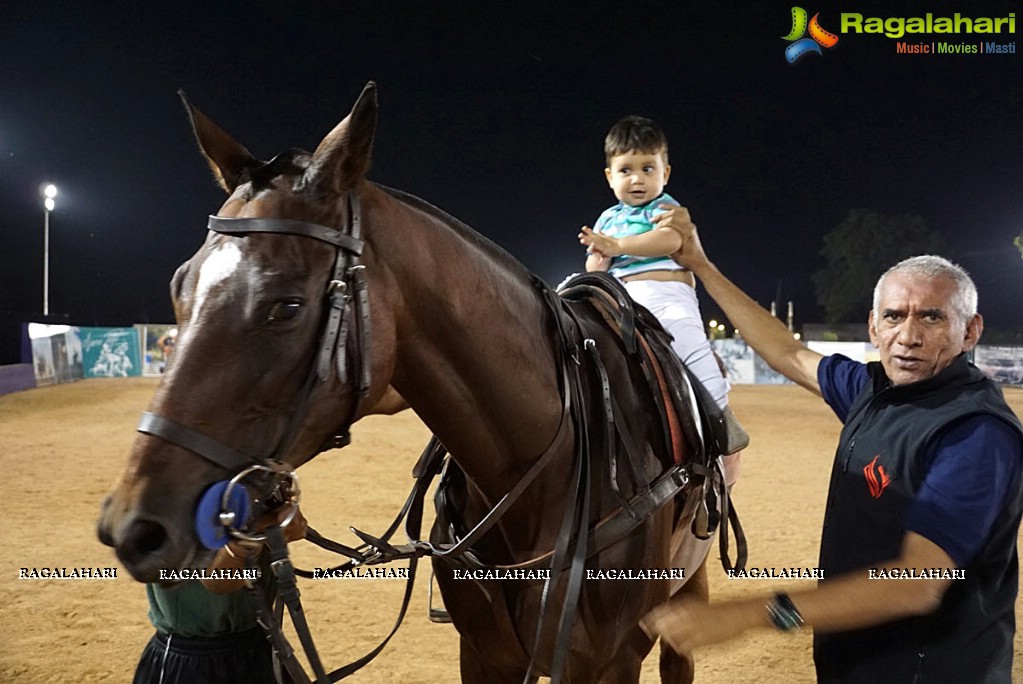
62,447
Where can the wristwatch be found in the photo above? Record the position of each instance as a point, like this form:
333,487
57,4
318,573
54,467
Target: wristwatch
784,614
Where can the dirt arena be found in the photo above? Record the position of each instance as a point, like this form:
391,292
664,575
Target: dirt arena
62,447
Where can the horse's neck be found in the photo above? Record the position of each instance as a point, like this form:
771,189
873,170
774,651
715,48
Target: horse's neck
473,356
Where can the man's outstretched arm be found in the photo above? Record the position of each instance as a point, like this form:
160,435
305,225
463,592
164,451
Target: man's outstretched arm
766,334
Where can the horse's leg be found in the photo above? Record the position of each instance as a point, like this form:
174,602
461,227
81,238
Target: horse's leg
675,668
475,670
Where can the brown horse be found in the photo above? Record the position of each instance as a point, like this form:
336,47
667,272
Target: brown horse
454,324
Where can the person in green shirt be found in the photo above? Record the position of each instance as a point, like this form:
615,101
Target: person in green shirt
206,629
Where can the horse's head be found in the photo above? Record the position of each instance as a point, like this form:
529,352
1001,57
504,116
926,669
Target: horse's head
268,314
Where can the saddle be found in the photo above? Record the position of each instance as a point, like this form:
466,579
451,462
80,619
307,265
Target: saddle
695,472
684,406
684,418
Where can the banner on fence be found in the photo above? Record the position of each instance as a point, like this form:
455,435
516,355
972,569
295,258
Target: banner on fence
158,343
62,353
1001,364
111,352
56,353
743,366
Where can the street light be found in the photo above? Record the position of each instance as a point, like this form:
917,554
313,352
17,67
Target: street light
49,193
715,330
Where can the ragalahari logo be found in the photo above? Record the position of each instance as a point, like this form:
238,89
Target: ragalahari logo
801,46
877,478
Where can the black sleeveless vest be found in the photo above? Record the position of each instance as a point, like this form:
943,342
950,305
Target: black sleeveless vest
880,464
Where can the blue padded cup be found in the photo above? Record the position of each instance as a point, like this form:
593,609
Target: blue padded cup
211,532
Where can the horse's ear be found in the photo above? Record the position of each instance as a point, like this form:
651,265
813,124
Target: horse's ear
342,159
226,157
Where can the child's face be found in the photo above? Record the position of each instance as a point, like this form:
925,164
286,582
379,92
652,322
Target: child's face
637,177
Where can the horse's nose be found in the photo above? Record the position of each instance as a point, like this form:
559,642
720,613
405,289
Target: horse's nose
103,526
144,542
143,545
104,535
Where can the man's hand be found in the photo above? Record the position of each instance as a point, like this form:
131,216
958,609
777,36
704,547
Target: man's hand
296,529
690,254
685,624
237,552
597,243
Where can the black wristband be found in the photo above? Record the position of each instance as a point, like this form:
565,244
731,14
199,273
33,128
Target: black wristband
784,614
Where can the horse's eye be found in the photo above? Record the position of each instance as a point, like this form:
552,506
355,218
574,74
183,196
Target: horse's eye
285,310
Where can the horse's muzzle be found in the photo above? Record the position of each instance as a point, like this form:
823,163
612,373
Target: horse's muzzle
142,543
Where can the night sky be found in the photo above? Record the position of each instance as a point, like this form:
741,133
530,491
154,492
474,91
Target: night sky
496,112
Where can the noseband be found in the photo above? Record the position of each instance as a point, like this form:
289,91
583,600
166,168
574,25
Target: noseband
348,314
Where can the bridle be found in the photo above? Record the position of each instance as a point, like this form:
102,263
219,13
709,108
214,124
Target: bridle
347,322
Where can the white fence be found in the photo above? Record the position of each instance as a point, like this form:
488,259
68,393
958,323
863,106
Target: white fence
65,353
745,367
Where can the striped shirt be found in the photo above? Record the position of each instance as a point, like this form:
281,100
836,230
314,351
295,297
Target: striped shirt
623,220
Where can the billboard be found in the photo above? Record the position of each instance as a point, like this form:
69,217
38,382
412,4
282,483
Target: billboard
56,353
111,352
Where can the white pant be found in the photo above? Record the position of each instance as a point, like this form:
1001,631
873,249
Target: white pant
676,307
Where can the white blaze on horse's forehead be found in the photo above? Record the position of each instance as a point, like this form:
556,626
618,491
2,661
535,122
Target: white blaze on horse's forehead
218,267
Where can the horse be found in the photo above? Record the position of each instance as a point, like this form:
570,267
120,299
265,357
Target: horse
315,297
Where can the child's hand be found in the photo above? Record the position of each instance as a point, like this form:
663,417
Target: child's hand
597,262
599,244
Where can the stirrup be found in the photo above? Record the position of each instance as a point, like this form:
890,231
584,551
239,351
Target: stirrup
438,615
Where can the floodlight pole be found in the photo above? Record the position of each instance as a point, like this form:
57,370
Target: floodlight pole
49,192
46,262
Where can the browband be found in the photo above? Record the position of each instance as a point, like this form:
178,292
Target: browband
239,226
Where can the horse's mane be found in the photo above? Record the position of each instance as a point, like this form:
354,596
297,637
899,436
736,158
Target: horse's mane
297,159
289,163
464,230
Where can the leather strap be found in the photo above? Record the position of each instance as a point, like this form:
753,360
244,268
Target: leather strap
350,245
287,588
244,226
193,440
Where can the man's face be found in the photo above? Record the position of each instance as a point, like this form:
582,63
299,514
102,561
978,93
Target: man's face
917,331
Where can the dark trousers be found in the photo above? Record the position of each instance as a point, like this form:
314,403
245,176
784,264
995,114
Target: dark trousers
245,658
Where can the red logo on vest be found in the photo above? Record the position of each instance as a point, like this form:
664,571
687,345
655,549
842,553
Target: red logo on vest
877,478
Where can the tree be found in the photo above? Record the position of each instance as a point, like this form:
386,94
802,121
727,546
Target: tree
1019,243
858,251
